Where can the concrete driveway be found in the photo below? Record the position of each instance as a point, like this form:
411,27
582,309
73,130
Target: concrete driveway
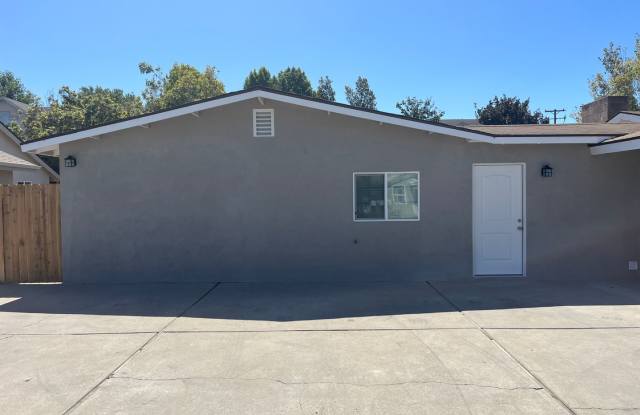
501,346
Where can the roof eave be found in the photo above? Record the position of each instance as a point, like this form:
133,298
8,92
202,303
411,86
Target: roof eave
49,144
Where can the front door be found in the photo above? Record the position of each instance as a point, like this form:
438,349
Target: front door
498,220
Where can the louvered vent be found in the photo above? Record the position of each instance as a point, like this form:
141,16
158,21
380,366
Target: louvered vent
263,123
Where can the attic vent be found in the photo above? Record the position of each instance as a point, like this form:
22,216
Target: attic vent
263,123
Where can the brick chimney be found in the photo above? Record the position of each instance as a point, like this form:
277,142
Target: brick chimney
604,109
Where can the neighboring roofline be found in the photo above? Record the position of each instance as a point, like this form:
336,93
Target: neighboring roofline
625,114
51,142
617,146
17,104
38,160
18,165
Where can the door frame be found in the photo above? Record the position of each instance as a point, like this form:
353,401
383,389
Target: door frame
524,221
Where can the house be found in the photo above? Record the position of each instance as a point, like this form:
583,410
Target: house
17,167
11,110
261,185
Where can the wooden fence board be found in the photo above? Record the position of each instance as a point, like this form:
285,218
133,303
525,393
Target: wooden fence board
30,233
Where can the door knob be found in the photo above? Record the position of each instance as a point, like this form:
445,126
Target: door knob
520,228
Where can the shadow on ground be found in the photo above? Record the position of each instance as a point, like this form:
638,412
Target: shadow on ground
282,302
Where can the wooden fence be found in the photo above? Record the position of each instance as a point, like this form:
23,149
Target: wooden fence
30,233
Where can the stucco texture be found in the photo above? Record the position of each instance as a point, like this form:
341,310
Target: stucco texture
200,199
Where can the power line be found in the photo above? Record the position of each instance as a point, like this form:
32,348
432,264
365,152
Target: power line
555,115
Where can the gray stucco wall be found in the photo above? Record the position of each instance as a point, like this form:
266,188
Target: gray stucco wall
201,199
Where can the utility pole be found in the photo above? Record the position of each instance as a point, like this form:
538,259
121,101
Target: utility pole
555,115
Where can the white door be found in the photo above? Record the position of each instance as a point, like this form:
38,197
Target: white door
498,219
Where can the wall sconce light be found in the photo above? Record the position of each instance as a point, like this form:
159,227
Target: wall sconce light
546,171
70,161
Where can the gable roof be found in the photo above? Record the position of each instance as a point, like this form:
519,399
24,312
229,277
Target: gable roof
38,161
487,134
626,116
9,160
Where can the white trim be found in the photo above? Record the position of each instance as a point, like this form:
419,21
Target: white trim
555,139
524,222
386,119
255,122
52,143
460,132
39,146
614,147
386,205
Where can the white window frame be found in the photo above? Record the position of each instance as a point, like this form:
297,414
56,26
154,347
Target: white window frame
386,205
273,122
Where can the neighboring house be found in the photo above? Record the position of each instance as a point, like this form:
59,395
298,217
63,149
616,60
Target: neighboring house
260,185
17,167
11,110
626,116
461,122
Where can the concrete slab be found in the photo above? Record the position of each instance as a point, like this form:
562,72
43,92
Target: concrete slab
70,309
318,306
524,303
380,372
593,370
48,374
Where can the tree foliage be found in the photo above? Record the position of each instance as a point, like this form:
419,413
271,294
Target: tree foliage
260,77
325,89
509,110
362,96
421,109
621,75
182,85
71,110
12,87
295,81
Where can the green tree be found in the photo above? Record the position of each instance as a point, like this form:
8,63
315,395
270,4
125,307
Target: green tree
362,96
71,110
621,75
182,85
421,109
12,87
325,89
295,81
259,77
509,110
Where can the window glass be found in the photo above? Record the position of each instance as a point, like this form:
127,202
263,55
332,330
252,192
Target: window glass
402,195
369,196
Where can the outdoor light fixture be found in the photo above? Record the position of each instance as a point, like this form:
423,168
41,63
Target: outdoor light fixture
70,161
546,171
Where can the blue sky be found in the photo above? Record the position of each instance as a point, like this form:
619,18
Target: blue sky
457,52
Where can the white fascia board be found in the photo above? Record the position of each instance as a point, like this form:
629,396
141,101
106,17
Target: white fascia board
556,139
380,118
49,144
52,143
616,147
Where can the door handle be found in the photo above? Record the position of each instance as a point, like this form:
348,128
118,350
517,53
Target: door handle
520,228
